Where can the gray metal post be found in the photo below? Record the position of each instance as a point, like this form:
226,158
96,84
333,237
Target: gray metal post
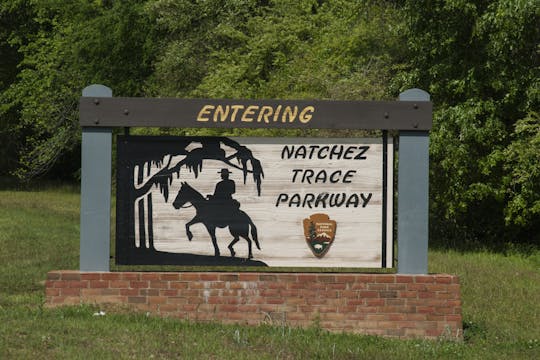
95,190
413,197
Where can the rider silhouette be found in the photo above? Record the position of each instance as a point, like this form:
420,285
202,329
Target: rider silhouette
224,190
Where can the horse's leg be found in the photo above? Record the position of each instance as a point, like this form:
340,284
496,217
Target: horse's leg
250,256
235,240
246,236
212,232
193,221
241,228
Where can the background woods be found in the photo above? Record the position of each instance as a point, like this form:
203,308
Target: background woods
478,59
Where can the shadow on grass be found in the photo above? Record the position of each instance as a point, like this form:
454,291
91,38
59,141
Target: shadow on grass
9,183
524,248
505,241
474,331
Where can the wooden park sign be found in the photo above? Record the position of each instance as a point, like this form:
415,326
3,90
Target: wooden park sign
286,202
276,202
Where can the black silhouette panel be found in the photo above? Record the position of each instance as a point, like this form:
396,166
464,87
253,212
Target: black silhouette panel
218,211
173,156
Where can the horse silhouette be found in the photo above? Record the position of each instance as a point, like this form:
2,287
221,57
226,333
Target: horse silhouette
217,214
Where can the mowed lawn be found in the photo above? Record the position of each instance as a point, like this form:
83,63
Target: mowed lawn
39,232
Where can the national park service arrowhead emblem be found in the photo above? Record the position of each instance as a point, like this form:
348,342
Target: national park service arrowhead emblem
319,232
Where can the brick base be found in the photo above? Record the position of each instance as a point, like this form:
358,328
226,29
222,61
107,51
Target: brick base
407,306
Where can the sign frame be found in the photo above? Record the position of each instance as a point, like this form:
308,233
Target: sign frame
280,114
411,116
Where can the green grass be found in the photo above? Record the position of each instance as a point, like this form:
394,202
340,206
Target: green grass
39,232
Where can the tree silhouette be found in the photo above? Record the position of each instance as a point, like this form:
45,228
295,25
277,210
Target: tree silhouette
135,166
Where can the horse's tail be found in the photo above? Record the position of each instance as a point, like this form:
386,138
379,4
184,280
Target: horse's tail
254,233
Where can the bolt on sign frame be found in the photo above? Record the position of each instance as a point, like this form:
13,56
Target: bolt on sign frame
100,113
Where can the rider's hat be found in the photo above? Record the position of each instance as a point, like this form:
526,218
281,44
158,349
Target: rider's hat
224,171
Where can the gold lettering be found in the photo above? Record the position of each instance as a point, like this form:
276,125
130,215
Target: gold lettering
250,110
306,114
251,113
205,111
266,111
221,113
276,114
288,112
235,111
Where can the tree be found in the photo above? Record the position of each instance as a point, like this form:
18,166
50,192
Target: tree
521,161
15,28
479,60
190,32
284,49
74,43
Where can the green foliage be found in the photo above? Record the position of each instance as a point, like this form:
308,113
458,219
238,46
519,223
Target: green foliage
479,61
189,32
71,44
12,34
284,49
522,173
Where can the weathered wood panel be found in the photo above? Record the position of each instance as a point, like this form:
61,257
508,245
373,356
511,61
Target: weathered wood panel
341,178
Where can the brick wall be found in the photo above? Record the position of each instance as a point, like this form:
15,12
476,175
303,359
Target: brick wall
406,306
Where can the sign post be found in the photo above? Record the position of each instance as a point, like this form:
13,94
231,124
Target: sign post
413,196
95,189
